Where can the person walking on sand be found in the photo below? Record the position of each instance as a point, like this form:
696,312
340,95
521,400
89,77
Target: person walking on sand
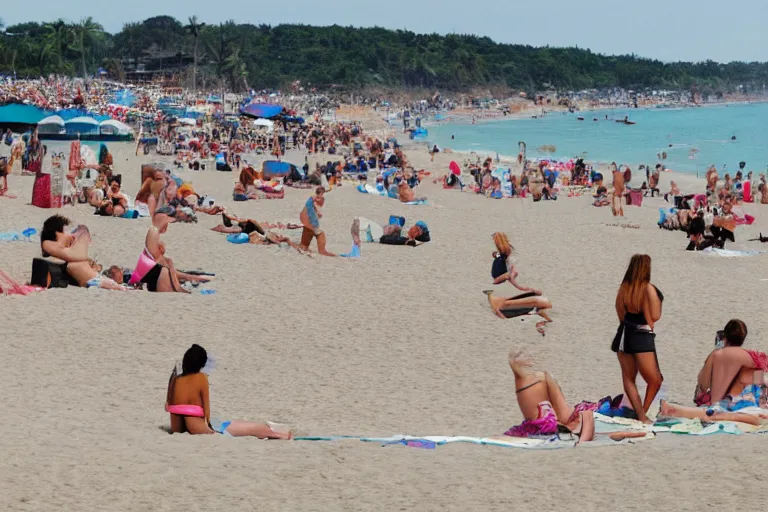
310,219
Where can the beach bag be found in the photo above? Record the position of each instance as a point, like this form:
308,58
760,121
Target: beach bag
49,274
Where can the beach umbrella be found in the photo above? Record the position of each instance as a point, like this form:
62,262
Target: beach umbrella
455,169
188,121
261,110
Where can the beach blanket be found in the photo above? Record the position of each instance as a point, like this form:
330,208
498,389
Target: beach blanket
421,201
728,253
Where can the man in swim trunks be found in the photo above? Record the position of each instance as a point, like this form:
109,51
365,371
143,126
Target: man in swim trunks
310,218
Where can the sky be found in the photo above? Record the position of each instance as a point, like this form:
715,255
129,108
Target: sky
668,30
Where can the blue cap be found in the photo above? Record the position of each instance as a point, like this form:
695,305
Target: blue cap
422,225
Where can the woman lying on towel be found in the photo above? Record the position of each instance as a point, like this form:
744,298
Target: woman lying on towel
732,376
525,304
188,402
73,249
544,407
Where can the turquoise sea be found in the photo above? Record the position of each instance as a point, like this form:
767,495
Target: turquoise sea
678,132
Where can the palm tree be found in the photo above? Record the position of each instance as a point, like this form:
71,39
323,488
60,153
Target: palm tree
194,28
58,39
86,33
234,66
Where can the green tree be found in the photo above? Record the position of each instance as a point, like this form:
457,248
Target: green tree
194,28
87,34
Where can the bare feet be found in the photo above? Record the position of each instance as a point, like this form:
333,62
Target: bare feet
541,328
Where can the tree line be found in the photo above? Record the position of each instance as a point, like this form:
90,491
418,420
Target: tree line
242,56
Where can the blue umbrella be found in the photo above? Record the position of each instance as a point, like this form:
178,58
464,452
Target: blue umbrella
261,110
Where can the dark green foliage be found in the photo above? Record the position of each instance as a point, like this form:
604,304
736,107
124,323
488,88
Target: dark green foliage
244,55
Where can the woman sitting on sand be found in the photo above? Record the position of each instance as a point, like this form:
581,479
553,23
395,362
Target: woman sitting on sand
188,402
73,249
638,306
115,203
543,405
502,269
406,194
155,269
731,372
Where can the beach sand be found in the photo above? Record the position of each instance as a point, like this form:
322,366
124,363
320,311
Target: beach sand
400,341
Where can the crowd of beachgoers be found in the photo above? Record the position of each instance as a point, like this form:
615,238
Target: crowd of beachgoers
347,153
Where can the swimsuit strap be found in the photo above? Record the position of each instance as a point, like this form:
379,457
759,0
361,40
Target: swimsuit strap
528,386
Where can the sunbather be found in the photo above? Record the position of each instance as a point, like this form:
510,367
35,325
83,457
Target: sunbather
73,249
543,404
731,372
502,268
406,194
189,404
668,410
162,276
528,303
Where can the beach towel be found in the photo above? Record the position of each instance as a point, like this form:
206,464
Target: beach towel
420,201
728,253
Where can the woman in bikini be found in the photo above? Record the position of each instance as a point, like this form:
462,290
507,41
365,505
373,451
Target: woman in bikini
162,276
543,404
188,402
310,219
638,307
148,197
526,304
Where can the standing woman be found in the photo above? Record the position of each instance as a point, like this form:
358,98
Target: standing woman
638,306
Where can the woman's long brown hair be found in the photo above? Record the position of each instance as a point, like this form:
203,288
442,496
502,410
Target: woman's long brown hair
502,243
633,289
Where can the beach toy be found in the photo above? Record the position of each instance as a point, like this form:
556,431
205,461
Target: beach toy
29,232
207,292
238,238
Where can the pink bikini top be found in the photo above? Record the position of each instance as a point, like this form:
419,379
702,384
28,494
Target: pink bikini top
186,410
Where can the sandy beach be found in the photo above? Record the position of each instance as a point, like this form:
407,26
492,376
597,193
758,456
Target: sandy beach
400,341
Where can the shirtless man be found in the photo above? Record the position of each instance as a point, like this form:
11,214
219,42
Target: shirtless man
73,249
617,204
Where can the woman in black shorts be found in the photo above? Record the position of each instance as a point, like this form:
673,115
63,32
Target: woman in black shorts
638,306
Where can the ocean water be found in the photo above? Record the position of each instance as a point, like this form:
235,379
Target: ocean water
693,138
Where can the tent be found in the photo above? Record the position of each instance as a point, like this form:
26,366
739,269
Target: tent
17,115
274,169
51,124
82,124
269,125
261,110
113,127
